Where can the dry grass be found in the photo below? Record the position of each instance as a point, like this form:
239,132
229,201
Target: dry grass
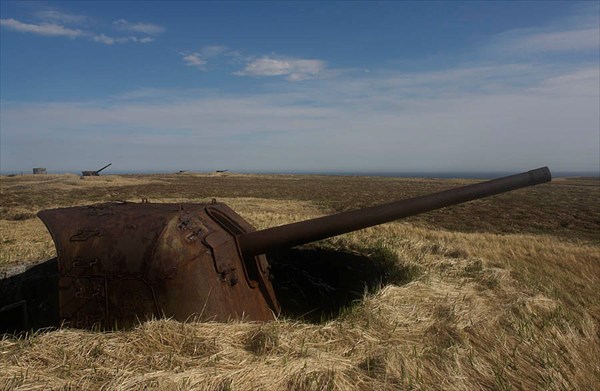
486,310
566,208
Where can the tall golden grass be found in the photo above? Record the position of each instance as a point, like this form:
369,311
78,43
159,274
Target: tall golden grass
486,311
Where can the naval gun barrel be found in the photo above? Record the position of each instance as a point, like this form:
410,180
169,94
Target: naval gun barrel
97,171
259,242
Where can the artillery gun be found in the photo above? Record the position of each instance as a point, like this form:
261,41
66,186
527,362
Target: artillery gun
122,263
94,173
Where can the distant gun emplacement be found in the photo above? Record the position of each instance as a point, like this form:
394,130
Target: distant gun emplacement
94,173
121,263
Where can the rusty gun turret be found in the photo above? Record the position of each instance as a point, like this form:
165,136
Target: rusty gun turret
94,173
120,263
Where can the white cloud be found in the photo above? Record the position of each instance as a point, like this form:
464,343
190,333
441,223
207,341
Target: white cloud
576,32
52,29
293,69
134,39
194,60
571,40
101,38
213,51
145,28
582,82
41,29
574,40
58,16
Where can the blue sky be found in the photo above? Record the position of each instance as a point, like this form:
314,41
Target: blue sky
300,86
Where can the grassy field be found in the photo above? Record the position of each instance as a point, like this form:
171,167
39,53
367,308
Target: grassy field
496,294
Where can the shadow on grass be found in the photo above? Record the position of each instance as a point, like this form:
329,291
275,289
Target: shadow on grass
316,285
29,299
313,285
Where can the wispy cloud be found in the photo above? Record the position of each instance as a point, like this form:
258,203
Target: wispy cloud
194,60
145,39
214,51
47,29
60,24
544,42
200,58
101,38
59,16
145,28
292,69
573,33
574,40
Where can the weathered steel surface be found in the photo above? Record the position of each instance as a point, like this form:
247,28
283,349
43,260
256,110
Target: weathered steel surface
311,230
120,263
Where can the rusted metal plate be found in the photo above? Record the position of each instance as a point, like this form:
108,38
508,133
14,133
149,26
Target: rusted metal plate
120,263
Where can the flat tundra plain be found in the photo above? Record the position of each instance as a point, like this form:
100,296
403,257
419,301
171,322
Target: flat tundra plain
495,294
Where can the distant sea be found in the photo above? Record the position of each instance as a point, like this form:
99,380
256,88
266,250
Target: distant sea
392,174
